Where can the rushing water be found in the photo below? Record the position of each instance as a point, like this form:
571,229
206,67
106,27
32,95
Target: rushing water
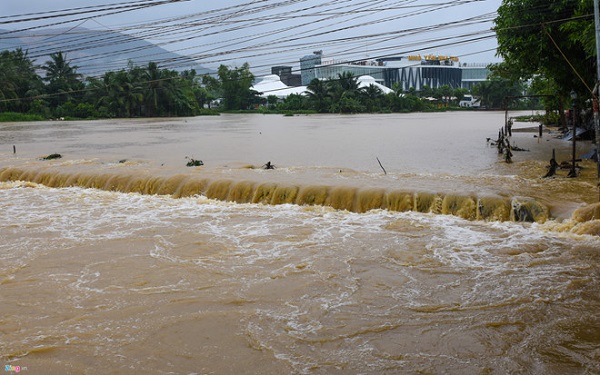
347,271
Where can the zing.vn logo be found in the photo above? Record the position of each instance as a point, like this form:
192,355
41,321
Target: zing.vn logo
11,368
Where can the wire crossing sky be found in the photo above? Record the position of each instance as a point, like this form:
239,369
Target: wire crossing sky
263,33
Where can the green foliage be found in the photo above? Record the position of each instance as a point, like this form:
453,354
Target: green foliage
347,104
371,96
494,91
64,82
151,91
15,116
272,101
39,107
342,95
236,86
319,95
18,81
548,39
194,162
207,112
294,102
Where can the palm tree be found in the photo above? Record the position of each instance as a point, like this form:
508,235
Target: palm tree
173,99
102,93
131,92
345,86
18,81
62,78
153,84
319,93
371,96
119,94
348,82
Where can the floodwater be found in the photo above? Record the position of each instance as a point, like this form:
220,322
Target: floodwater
117,258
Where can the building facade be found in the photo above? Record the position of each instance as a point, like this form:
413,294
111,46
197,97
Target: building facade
405,72
308,65
286,75
473,74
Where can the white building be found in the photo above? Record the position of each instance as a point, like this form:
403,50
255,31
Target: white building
271,85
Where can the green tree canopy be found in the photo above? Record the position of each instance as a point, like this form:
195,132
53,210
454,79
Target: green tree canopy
319,94
494,91
62,78
551,39
18,81
146,91
236,86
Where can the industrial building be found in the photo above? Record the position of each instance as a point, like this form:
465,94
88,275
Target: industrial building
286,76
414,71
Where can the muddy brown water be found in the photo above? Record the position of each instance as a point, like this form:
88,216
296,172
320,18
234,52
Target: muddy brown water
117,258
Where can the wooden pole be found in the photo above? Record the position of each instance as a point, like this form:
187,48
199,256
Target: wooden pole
573,172
596,92
384,172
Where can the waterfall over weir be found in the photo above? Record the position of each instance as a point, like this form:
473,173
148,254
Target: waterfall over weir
338,197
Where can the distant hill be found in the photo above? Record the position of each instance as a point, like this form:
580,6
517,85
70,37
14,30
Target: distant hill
95,52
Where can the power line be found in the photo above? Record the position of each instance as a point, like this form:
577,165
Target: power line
237,34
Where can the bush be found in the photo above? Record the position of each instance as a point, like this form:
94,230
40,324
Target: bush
85,110
39,107
15,117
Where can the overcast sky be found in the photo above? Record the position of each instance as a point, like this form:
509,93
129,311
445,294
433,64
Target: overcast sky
277,32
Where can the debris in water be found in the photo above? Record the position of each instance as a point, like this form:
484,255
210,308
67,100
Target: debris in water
193,162
52,156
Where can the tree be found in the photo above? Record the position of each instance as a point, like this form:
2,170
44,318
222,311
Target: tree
124,96
347,104
444,93
318,92
460,92
345,86
371,97
236,84
272,101
213,88
19,82
348,82
494,91
99,93
293,102
154,84
545,38
426,92
195,95
63,79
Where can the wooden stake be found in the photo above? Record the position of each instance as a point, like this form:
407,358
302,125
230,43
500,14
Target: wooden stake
384,172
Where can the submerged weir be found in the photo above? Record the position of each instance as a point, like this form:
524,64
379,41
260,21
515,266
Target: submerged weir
348,198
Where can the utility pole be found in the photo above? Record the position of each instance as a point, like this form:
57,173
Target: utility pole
573,172
597,89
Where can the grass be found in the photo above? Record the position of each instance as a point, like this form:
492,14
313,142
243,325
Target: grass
14,117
